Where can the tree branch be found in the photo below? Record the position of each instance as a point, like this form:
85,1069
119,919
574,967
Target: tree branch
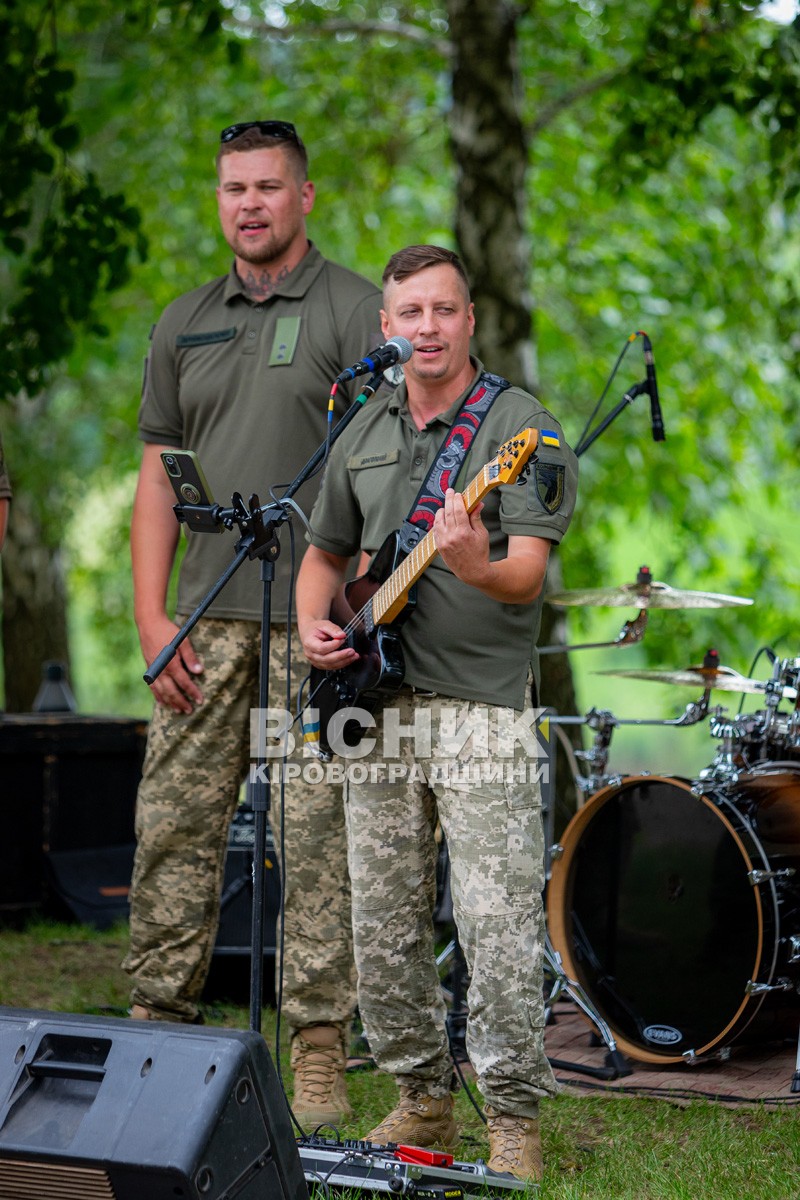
552,110
399,29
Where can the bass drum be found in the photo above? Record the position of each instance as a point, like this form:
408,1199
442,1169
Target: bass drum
679,911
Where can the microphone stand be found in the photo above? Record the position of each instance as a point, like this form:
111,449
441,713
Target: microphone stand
638,389
259,527
632,631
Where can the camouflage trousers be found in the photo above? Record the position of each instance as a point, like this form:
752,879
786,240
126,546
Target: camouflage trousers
194,767
491,817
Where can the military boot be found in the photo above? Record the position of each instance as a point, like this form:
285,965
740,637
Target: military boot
418,1120
138,1012
318,1062
515,1145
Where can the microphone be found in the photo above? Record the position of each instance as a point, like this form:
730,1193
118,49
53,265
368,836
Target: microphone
656,420
396,350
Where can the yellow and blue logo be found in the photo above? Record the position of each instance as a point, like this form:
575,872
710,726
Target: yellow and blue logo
550,438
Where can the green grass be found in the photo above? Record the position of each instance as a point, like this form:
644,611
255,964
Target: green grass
616,1148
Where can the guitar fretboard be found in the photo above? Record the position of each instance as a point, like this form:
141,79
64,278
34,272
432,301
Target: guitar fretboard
391,597
385,602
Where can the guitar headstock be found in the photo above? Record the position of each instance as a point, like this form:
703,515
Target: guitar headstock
512,457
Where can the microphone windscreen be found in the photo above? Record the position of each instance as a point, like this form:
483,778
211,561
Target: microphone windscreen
404,348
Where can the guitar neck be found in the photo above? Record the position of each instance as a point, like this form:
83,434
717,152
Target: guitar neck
391,596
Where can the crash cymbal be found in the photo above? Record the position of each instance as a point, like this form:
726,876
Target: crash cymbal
723,679
646,592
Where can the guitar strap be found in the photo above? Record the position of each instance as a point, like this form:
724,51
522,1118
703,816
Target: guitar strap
449,459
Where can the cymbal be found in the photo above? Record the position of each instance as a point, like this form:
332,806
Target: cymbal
723,679
645,595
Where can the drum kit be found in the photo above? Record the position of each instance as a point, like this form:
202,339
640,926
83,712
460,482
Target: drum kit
673,904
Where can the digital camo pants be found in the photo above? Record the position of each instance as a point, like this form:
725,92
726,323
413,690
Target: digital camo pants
492,821
193,770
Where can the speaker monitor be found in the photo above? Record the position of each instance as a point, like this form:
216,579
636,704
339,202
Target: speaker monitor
229,974
105,1109
69,785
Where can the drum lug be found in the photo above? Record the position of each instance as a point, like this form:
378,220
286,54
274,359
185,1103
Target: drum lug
690,1056
794,948
760,989
757,877
556,852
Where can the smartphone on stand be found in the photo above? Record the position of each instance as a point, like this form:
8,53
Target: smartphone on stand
191,490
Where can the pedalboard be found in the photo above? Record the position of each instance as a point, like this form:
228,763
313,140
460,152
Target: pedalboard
399,1170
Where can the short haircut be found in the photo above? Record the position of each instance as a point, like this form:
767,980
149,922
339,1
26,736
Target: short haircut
417,258
254,139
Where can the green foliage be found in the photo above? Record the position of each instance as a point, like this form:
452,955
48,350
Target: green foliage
693,247
72,239
82,249
701,256
696,58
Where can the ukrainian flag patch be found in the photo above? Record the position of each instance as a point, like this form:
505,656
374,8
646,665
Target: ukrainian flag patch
550,438
311,732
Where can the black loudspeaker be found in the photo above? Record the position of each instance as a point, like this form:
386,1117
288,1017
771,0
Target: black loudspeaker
96,1109
92,885
69,784
229,975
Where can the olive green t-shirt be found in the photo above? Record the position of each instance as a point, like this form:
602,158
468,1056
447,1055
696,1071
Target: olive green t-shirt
457,641
5,485
245,385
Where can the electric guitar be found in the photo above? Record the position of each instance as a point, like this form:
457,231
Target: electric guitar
372,608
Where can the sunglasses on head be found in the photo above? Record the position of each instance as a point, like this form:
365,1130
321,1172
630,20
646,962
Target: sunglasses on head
277,129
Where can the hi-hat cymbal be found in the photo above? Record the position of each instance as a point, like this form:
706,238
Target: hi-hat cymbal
651,594
723,679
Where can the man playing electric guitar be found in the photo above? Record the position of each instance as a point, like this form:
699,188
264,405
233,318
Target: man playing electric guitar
450,744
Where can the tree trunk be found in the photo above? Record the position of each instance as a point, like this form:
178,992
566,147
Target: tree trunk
34,623
491,156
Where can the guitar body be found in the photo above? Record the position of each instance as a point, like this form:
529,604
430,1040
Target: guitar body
380,668
371,608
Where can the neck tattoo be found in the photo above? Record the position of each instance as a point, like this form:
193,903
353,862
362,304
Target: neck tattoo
262,285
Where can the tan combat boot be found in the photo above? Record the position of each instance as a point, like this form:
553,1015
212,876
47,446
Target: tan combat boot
318,1063
515,1145
138,1012
418,1120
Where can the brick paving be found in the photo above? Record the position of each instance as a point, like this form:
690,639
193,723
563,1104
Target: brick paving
759,1074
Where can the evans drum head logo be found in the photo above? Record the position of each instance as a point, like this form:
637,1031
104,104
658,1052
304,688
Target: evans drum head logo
662,1035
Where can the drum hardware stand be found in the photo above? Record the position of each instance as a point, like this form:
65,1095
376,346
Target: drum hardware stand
616,1064
725,769
785,676
603,722
631,633
457,1012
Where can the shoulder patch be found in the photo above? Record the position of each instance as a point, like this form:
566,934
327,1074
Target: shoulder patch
546,486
